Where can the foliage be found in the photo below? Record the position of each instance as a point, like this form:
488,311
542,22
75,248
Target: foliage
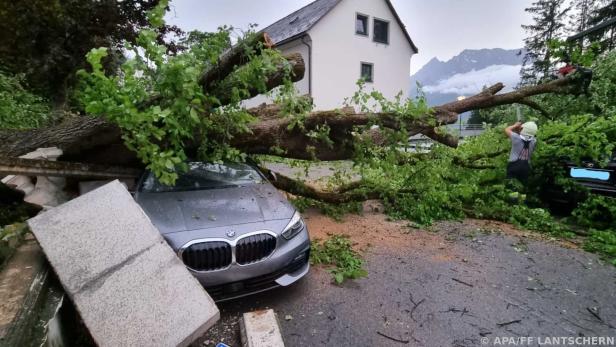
47,40
507,114
447,183
20,109
605,11
602,242
601,101
338,252
451,184
598,214
12,213
572,53
548,17
183,111
335,211
10,237
583,12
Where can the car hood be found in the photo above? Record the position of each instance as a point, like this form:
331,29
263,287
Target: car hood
201,209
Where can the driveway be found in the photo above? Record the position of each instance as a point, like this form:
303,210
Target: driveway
457,284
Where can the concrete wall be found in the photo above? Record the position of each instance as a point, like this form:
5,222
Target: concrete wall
295,46
338,52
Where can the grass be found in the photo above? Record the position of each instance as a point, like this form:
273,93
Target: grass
603,243
338,253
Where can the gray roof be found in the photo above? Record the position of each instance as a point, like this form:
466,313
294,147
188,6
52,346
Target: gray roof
302,20
299,21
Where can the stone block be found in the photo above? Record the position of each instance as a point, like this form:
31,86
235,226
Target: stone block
88,186
261,329
126,282
21,183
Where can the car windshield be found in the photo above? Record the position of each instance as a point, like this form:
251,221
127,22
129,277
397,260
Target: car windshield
202,176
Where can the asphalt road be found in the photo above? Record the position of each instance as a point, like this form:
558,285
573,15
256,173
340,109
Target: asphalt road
456,285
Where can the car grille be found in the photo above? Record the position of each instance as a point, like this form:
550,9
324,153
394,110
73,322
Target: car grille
255,284
254,248
207,256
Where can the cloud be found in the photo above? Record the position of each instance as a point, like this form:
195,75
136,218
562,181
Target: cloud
472,82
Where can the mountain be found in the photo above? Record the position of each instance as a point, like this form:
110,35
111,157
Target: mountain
467,73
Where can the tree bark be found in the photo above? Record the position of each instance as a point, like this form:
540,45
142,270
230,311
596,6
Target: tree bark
344,194
76,135
33,167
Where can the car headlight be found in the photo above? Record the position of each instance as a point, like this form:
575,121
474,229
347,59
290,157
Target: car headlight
296,224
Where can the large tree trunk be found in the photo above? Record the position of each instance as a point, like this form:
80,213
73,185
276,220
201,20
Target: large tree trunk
89,138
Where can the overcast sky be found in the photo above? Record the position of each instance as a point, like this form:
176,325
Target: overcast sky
439,28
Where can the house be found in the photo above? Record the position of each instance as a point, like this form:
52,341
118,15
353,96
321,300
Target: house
342,41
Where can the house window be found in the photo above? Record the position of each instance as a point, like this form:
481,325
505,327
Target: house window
367,72
361,25
381,31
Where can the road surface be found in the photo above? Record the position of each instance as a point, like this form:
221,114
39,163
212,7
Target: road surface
457,284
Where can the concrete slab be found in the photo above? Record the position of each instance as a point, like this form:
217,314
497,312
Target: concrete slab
88,186
261,329
126,282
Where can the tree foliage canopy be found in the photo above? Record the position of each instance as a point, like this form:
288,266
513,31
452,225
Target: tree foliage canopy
47,40
183,111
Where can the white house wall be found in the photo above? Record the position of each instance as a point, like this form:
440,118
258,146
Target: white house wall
296,46
337,53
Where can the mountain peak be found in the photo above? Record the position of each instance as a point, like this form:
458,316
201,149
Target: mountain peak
482,64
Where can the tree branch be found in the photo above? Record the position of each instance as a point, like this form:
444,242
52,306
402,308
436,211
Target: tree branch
343,194
224,89
236,56
535,106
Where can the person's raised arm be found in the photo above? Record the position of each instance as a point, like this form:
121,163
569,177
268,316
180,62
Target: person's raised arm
513,128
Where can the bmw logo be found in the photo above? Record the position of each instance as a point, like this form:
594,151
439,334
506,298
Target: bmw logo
230,233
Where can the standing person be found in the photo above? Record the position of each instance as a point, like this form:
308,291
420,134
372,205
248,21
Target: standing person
523,144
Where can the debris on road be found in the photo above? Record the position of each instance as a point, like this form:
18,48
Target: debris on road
393,338
125,281
509,323
462,282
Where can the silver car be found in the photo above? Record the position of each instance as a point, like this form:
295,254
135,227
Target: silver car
234,231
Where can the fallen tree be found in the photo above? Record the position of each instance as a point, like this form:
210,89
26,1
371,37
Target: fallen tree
160,110
86,136
164,109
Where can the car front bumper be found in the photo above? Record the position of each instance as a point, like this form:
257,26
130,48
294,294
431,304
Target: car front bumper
281,278
286,265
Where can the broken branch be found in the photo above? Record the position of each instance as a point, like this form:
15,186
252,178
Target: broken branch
234,57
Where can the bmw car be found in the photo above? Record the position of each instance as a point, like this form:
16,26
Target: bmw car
230,226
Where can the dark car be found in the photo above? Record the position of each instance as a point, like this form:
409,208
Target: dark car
599,180
231,227
596,178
